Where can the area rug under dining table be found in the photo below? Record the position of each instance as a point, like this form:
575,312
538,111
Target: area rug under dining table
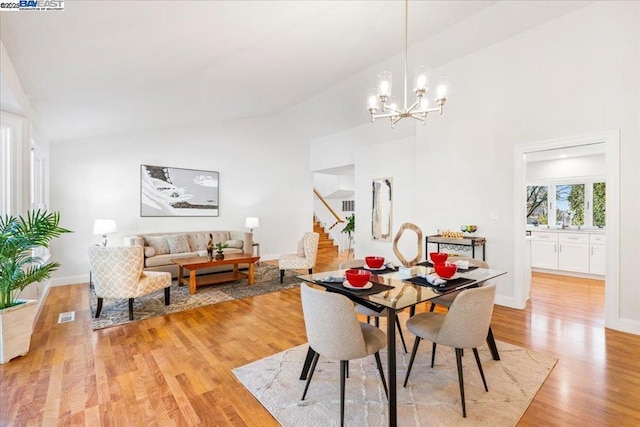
432,396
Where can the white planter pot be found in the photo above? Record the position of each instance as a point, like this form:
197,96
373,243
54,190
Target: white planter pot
16,326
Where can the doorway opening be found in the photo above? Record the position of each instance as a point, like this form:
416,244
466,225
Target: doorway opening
610,143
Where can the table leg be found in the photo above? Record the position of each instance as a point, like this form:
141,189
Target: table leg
251,278
180,273
192,282
391,366
491,343
307,363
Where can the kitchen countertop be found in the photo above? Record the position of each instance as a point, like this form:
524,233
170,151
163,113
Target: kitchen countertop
568,230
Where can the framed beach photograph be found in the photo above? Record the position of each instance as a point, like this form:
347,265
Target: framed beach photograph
167,191
382,207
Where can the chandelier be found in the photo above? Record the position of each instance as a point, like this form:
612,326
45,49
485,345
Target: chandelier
381,99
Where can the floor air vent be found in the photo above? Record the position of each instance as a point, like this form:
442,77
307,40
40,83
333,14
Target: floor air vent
67,317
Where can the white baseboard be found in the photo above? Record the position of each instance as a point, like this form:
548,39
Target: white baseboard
569,273
70,280
629,326
507,301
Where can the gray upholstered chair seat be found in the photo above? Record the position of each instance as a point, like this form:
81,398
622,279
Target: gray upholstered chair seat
333,331
465,325
374,339
426,325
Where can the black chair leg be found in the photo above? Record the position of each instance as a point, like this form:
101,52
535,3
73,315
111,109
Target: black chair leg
316,356
404,345
347,374
433,354
281,275
130,308
433,307
475,353
311,271
167,295
384,382
413,356
461,380
99,308
377,322
343,369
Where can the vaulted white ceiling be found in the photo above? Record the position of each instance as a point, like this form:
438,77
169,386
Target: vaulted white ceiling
113,66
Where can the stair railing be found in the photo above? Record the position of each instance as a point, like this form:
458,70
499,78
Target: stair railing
330,220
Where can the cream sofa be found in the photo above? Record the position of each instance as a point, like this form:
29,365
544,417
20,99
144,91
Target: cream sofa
161,248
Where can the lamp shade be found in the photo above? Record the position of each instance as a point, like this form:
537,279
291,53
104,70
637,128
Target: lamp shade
104,226
251,222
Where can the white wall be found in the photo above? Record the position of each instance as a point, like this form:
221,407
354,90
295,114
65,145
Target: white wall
577,167
399,164
533,88
264,172
578,74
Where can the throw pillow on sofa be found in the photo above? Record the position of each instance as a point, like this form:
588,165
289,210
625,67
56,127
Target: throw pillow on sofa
178,243
149,251
159,243
235,244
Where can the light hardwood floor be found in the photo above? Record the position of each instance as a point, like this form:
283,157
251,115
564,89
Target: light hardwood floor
176,370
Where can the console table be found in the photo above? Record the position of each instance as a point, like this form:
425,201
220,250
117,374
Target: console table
466,243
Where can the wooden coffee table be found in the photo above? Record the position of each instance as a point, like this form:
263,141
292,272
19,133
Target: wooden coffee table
194,264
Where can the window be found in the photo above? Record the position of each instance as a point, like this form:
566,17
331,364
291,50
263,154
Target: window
570,203
537,205
599,203
583,203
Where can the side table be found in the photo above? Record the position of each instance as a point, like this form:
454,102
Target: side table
467,243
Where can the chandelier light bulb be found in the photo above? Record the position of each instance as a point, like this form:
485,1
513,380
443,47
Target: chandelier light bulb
384,84
373,102
420,79
442,89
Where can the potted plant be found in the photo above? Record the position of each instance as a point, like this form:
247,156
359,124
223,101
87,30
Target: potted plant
219,247
19,267
349,229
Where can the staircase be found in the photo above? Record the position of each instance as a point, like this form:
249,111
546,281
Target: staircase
326,245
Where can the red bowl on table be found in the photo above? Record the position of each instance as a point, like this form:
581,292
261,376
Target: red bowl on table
438,257
374,261
446,270
357,278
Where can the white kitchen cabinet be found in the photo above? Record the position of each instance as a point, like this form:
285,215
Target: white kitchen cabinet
573,252
544,250
567,251
597,251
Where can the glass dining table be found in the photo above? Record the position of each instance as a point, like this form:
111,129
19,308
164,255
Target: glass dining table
396,291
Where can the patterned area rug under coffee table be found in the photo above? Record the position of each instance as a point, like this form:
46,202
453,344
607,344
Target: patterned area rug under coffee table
116,312
432,397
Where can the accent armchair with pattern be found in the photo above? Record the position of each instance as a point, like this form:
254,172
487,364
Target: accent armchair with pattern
304,258
117,274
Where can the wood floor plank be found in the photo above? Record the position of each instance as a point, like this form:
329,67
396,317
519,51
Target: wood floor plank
176,370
